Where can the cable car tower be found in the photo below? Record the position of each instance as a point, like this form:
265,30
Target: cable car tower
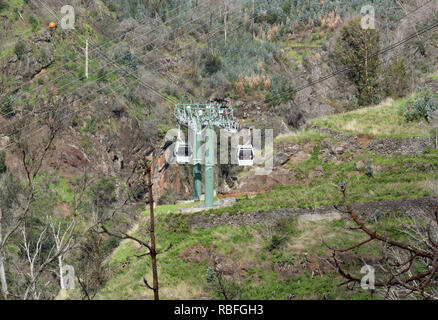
197,117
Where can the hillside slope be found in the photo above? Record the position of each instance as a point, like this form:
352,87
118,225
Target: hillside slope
276,244
276,65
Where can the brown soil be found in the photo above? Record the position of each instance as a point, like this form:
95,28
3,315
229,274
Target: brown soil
364,140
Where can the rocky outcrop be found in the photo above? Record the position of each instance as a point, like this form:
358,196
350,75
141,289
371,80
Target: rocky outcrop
31,58
251,182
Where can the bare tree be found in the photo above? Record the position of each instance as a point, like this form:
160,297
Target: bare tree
32,149
223,286
150,246
34,255
410,267
60,237
3,281
67,238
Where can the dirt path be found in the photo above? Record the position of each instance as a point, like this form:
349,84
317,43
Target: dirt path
412,206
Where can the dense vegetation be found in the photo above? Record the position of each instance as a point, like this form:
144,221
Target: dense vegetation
147,55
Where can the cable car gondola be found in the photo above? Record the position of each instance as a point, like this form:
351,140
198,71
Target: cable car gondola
183,152
245,155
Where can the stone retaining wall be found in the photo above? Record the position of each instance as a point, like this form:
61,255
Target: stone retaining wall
382,146
404,146
411,206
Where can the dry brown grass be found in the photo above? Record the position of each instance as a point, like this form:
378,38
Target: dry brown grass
382,121
331,21
252,82
272,32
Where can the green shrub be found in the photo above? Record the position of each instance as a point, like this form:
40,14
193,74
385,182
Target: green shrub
212,63
420,47
6,108
286,7
176,224
2,162
272,17
241,56
276,234
34,22
276,242
103,192
282,90
110,244
209,276
369,169
171,90
3,5
102,76
420,106
128,59
396,79
91,126
20,47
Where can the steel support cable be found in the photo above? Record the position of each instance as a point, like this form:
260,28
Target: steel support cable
121,67
96,48
386,25
379,52
80,109
312,96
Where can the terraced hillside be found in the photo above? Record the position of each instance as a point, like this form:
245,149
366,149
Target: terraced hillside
77,143
276,244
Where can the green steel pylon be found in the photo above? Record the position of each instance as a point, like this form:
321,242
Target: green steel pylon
195,117
209,167
197,166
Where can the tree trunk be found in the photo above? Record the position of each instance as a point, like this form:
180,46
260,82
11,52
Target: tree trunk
61,272
253,18
152,235
2,263
436,140
3,276
366,68
225,21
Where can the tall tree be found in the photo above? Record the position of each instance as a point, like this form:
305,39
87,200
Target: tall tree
355,50
144,179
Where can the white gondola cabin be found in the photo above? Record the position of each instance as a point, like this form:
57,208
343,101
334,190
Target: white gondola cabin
183,152
245,155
